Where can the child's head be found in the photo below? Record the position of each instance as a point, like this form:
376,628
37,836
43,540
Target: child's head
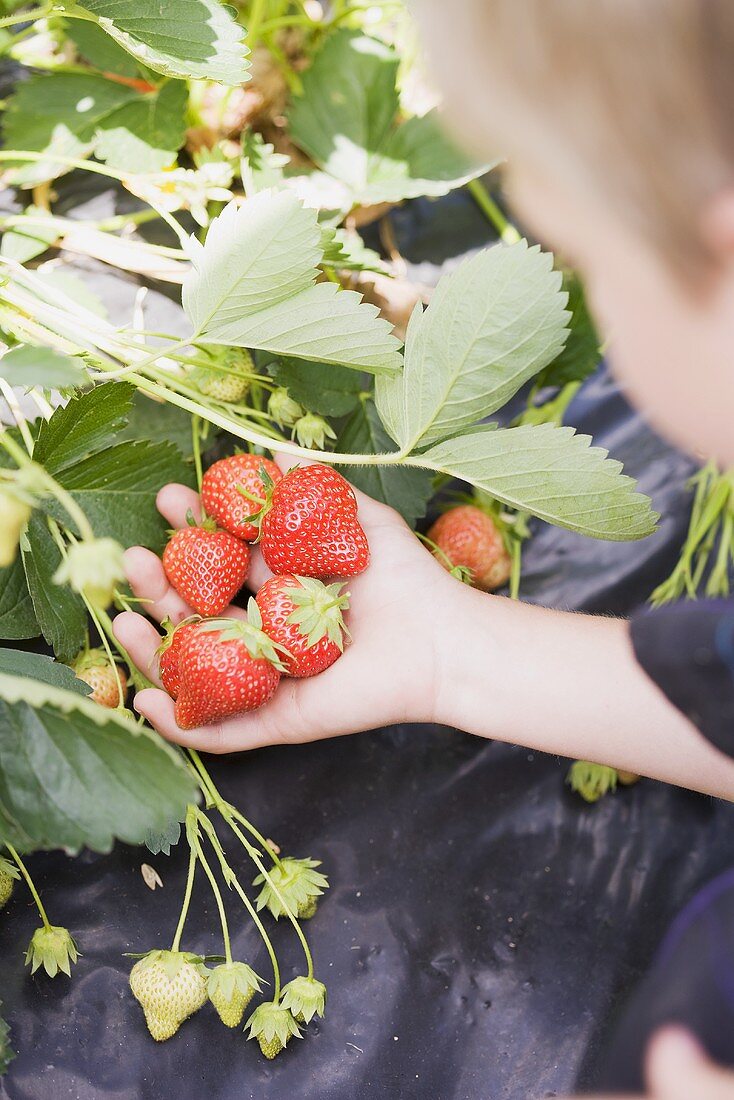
617,119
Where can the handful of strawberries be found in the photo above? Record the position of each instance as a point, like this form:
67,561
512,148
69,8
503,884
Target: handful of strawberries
307,527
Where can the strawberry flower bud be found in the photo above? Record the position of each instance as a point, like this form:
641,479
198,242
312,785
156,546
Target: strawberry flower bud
94,569
273,1026
306,998
313,431
231,987
283,409
54,949
293,885
8,874
591,781
14,514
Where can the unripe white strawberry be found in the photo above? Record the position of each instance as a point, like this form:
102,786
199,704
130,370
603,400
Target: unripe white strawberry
170,986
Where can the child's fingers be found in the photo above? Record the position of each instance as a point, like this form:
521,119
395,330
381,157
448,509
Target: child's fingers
175,501
678,1068
157,707
144,571
141,640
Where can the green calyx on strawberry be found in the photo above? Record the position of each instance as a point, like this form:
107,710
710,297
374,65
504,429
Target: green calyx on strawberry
226,667
170,986
273,1026
305,998
312,431
309,525
228,378
8,875
306,617
207,567
54,949
231,987
291,883
169,649
93,568
283,409
591,781
233,488
94,668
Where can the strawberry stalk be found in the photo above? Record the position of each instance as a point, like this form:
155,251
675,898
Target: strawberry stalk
190,811
195,842
30,884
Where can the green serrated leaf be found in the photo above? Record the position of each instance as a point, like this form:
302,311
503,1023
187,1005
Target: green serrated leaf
77,114
99,50
83,426
60,613
321,388
553,474
347,121
164,839
347,251
261,166
160,422
492,324
116,489
184,38
17,618
253,285
29,366
581,355
404,488
36,666
75,774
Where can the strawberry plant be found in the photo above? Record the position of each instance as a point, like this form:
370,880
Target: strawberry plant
245,147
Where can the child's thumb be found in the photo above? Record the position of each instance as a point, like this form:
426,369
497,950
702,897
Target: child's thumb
678,1068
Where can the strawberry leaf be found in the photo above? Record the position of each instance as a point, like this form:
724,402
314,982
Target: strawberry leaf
29,366
185,38
78,114
17,618
553,474
253,285
36,666
6,1051
60,613
347,122
580,357
74,774
492,324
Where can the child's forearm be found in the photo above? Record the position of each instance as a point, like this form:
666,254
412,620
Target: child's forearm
568,684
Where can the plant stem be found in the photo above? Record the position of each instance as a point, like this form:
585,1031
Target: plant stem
29,881
257,11
196,444
218,898
30,16
187,895
492,212
17,413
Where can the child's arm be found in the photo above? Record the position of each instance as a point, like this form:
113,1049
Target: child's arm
427,648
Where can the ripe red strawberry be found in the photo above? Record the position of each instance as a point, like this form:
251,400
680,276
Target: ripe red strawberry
310,526
94,668
226,667
207,567
304,616
169,649
221,496
469,538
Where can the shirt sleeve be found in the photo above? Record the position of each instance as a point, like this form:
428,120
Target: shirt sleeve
687,649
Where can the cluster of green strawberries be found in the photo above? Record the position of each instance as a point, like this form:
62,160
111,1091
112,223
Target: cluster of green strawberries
305,522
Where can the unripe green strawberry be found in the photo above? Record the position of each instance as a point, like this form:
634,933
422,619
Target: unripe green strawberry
93,568
305,998
14,514
94,669
231,987
272,1024
8,874
307,909
227,380
312,431
283,409
591,781
294,883
628,779
53,948
170,986
271,1048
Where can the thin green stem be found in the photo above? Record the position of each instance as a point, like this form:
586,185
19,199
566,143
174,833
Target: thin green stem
187,895
492,212
30,16
29,881
218,898
17,414
254,23
196,444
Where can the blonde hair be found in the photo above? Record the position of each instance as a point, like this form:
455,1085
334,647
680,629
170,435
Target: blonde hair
633,98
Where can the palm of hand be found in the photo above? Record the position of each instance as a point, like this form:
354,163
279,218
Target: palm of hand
385,676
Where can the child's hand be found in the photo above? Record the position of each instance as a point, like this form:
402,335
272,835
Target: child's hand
678,1069
390,673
